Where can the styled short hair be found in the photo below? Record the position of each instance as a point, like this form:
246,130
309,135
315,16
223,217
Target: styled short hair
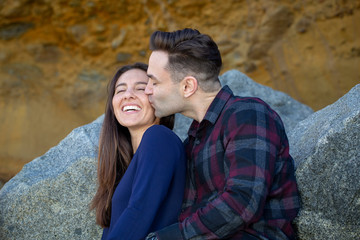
190,53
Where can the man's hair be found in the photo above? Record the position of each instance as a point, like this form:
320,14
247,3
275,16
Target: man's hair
190,54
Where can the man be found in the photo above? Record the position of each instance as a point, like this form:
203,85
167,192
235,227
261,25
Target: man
240,176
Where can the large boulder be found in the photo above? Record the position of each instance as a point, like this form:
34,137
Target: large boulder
290,110
326,150
49,198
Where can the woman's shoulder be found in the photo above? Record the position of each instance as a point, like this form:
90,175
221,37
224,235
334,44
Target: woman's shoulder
160,132
161,143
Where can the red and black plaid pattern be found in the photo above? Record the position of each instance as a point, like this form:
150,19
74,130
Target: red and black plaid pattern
241,180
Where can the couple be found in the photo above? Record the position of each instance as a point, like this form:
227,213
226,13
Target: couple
233,177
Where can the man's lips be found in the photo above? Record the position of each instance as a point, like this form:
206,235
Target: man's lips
152,104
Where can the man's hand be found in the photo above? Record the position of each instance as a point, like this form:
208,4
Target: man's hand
151,236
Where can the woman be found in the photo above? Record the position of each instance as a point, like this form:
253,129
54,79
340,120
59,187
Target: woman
141,168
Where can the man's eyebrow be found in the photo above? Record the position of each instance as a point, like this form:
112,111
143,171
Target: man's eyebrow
151,76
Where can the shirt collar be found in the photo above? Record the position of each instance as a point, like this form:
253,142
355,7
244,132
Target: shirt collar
214,110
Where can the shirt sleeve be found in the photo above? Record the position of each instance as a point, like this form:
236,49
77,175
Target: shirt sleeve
155,170
251,140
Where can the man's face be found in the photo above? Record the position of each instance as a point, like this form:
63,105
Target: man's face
164,94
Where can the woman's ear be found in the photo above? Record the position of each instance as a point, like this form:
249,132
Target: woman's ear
189,86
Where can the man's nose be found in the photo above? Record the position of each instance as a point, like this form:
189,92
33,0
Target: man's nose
149,88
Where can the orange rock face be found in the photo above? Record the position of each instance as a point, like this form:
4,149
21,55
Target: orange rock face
57,56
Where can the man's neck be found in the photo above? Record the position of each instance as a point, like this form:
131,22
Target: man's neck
200,104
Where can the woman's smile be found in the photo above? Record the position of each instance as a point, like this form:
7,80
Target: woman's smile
131,108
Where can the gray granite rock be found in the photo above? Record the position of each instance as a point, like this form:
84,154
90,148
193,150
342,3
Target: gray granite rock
326,150
290,110
49,198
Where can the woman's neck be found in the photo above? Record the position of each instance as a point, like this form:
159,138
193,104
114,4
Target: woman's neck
136,136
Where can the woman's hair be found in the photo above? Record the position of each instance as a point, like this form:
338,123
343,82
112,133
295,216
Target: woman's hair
115,152
190,53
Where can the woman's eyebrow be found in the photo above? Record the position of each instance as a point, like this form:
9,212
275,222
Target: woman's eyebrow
137,83
120,84
124,84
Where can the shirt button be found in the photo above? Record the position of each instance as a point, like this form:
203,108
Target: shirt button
197,141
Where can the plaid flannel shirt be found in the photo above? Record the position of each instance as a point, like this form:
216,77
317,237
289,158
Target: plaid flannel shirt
240,177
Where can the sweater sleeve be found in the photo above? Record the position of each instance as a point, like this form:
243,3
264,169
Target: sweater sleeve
157,155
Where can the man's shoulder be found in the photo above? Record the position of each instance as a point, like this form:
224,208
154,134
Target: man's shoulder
240,103
242,108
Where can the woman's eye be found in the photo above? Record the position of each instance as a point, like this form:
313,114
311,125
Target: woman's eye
141,89
119,91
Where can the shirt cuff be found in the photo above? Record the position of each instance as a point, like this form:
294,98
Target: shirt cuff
171,232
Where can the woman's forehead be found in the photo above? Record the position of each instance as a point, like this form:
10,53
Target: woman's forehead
133,76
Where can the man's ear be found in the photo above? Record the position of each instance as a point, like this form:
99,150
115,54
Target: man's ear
189,86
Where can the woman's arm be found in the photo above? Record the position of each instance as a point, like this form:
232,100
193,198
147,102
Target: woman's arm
155,166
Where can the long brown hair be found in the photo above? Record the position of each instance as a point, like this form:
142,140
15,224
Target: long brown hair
115,152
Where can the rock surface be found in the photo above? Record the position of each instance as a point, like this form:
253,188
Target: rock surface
57,56
326,150
49,198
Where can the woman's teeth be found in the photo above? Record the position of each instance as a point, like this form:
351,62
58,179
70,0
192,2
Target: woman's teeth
131,108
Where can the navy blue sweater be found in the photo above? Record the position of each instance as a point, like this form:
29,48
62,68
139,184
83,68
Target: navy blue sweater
150,194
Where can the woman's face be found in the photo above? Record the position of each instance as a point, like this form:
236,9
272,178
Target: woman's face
131,105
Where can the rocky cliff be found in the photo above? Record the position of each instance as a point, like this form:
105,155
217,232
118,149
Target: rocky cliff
57,56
